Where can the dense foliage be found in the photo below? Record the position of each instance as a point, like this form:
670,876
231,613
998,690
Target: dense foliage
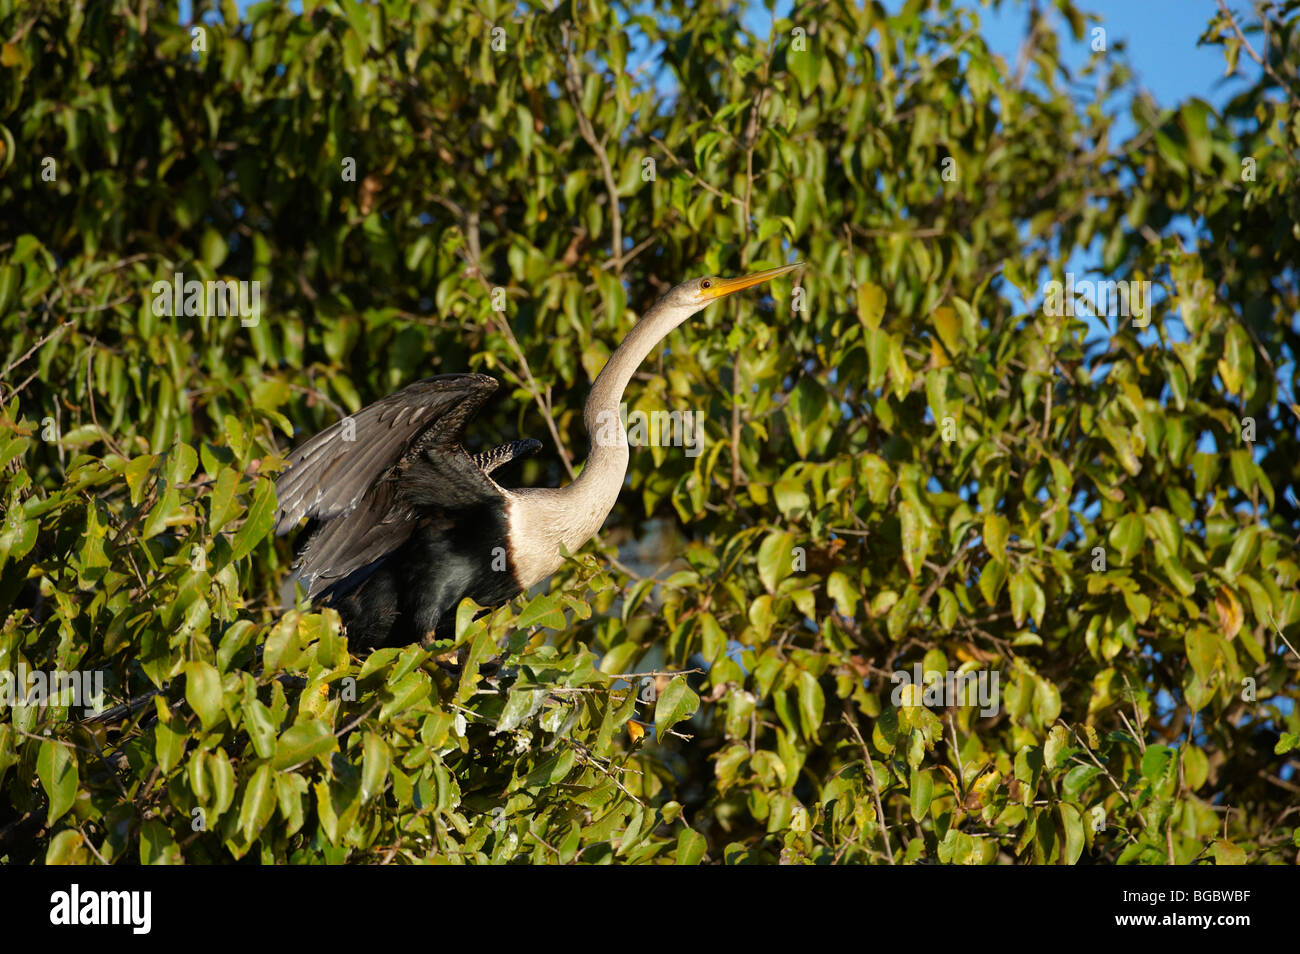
912,457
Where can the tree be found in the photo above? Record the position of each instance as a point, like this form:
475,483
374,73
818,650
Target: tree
925,460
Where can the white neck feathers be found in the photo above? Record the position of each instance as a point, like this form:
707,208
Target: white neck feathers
542,521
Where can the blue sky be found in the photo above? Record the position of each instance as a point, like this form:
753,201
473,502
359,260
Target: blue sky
1160,37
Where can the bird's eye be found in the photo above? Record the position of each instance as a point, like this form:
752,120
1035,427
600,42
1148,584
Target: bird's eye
705,283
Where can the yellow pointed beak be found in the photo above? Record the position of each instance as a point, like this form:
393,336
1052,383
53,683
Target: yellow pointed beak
722,287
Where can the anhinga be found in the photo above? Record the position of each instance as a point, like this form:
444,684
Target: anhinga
404,522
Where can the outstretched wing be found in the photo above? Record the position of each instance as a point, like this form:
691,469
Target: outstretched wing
329,474
348,478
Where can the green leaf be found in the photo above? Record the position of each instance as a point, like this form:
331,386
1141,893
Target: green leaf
222,506
997,531
805,65
257,522
947,324
1194,115
1227,853
1157,759
551,772
544,610
260,726
921,787
56,766
302,742
520,706
841,589
871,305
1127,537
408,692
992,577
259,802
1072,822
1245,547
1202,653
691,846
203,692
676,703
812,703
775,559
1058,740
375,763
135,473
1237,366
1079,778
916,536
67,848
1022,593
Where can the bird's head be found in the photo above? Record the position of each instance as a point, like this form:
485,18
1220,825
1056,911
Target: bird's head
694,295
677,306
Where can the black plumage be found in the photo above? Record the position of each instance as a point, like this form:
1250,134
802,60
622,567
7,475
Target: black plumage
404,522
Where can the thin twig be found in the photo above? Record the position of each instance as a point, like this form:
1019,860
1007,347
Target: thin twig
694,178
32,350
573,83
1278,629
1250,51
1105,770
875,789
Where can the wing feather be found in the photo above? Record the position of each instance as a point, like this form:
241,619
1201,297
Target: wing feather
328,475
357,489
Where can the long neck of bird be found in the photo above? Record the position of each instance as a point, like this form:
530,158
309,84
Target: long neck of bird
591,496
